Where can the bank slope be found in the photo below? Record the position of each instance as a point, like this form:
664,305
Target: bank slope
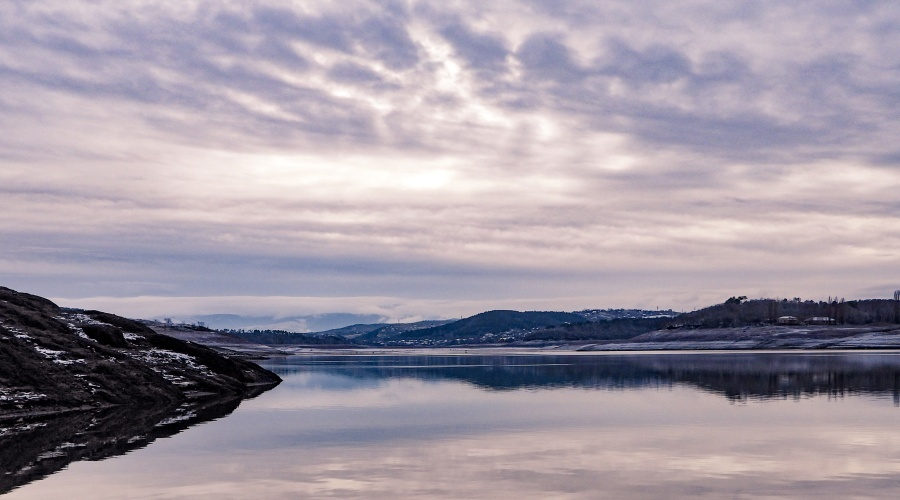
54,359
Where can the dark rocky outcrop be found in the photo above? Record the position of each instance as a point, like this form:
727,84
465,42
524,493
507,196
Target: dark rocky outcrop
54,359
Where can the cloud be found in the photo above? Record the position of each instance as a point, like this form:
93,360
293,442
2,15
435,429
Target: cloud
387,40
325,31
480,50
653,65
545,57
623,153
353,73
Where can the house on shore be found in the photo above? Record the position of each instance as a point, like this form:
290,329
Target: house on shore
820,320
788,320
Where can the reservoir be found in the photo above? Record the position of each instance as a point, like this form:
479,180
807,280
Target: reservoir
528,424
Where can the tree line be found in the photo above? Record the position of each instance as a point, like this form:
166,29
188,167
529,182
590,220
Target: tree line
739,311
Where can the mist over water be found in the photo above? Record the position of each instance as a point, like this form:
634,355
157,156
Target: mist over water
570,425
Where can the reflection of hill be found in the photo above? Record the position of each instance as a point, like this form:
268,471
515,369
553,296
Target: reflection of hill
33,449
735,376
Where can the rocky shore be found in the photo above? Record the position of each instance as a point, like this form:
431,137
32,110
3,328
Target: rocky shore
56,360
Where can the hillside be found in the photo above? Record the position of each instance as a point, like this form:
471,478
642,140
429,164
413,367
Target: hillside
223,342
389,329
281,337
54,359
486,327
613,314
620,328
738,311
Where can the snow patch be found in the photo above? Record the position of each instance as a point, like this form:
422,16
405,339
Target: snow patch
87,320
21,428
50,454
25,469
57,356
179,418
63,446
19,334
9,394
163,361
77,330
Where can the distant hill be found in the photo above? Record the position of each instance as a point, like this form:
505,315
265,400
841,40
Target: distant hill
357,330
738,311
612,314
613,329
490,326
589,325
351,331
487,327
281,337
298,323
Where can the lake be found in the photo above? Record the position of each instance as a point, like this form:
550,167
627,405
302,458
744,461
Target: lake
484,424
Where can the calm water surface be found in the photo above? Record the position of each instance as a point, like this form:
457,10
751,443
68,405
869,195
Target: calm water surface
714,425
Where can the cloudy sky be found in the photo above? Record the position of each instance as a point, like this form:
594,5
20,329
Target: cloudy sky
433,159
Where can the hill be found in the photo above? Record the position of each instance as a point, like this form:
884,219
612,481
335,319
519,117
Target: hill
292,323
738,312
613,329
281,337
54,359
357,330
613,314
486,327
224,343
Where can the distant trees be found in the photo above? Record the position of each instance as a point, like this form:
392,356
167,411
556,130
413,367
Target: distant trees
896,306
737,312
615,329
282,337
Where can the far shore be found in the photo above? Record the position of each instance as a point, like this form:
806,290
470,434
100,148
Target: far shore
757,338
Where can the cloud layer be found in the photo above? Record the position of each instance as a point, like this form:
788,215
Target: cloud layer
474,153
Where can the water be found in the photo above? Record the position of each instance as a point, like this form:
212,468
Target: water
716,425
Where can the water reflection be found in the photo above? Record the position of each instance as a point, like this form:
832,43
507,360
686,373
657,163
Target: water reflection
31,449
524,426
736,376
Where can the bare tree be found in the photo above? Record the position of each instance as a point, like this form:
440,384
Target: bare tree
896,306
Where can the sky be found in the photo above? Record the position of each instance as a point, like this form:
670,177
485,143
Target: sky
416,159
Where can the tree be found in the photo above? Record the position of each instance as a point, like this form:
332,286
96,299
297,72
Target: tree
896,306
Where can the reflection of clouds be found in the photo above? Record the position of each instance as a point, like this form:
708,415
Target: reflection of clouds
311,391
692,445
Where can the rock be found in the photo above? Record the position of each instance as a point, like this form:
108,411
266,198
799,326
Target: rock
54,359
